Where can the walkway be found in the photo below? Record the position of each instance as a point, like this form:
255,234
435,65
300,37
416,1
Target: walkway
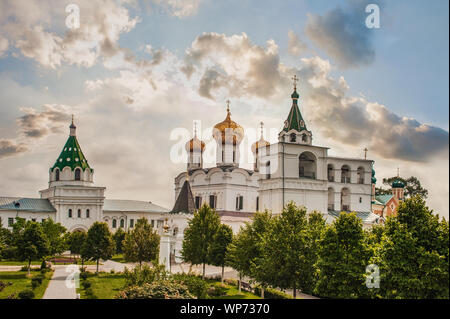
59,288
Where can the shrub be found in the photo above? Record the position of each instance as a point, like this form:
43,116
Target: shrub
161,289
12,296
44,265
145,274
217,289
232,282
83,275
36,282
43,271
86,284
26,294
24,268
90,293
270,293
196,286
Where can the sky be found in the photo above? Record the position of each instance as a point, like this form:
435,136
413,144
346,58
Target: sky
136,74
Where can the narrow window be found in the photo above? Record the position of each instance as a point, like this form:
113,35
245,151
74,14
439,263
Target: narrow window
293,137
79,213
360,199
10,221
198,202
70,213
78,174
257,203
153,223
33,219
212,201
122,223
131,223
57,175
241,202
114,223
88,213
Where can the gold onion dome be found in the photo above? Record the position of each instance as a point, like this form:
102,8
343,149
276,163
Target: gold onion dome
195,144
228,130
261,143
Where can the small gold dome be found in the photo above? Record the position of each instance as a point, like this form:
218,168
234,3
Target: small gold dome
261,143
235,131
195,144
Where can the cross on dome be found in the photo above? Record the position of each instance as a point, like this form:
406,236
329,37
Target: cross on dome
295,80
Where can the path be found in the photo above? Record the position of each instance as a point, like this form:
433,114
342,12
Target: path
57,288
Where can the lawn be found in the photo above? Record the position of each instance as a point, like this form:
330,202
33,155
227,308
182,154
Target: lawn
20,281
19,263
233,293
118,258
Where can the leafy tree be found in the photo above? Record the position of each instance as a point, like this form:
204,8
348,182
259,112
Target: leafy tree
31,243
55,235
414,255
285,250
199,236
75,242
218,248
237,256
142,243
343,258
99,243
119,237
5,241
412,186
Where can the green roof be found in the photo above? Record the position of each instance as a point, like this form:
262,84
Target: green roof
38,205
398,183
71,156
295,120
383,199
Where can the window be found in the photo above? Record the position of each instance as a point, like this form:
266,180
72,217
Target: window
153,223
330,172
122,223
78,174
360,199
212,201
257,203
304,138
360,174
159,223
70,213
131,223
114,223
345,174
42,220
175,231
268,170
88,213
57,175
198,202
307,165
79,213
239,202
292,137
10,221
33,219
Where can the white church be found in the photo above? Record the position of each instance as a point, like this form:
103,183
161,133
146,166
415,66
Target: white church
293,169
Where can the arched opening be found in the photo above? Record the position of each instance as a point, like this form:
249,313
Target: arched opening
292,137
360,175
77,174
69,213
88,213
345,200
79,213
122,223
57,174
345,174
268,170
175,231
114,223
304,138
330,198
330,172
307,165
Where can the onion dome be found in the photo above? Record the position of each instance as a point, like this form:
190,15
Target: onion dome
295,119
195,145
374,180
398,183
261,143
71,155
228,127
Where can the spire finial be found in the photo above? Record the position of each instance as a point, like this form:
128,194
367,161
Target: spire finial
228,106
195,129
72,118
72,128
365,152
262,127
398,171
295,80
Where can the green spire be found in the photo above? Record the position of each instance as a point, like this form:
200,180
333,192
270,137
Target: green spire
71,155
295,120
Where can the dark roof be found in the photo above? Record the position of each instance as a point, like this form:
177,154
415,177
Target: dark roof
224,168
185,201
124,205
38,205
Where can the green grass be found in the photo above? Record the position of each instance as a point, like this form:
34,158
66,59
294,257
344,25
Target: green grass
19,263
20,281
119,258
103,285
233,293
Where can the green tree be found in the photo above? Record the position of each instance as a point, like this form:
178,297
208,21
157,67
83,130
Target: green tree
412,186
119,237
5,241
414,254
142,243
75,242
99,243
218,248
343,258
55,235
199,236
32,243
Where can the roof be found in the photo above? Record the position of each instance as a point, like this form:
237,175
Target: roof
366,217
383,199
185,201
132,206
71,156
295,120
224,168
38,205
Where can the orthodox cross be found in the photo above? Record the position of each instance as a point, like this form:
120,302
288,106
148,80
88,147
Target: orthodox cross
365,152
295,80
262,126
228,106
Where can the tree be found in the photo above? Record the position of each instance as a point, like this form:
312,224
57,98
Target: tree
75,242
412,186
343,258
99,243
199,236
285,249
218,248
414,254
119,237
32,243
5,241
55,235
142,243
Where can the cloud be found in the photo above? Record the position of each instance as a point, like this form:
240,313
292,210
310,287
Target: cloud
178,8
355,121
4,43
11,148
343,35
296,46
39,124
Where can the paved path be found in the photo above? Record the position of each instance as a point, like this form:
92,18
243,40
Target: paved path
57,288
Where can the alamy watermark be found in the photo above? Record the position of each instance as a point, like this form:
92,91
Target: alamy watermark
373,276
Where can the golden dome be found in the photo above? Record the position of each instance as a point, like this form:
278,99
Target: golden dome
195,144
235,131
261,143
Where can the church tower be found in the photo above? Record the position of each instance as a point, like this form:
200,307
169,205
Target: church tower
195,148
71,189
228,135
294,130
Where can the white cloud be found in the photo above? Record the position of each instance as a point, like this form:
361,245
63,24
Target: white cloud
296,46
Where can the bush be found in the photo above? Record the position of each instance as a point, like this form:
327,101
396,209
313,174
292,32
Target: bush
36,282
270,293
196,286
83,275
90,293
86,284
24,268
145,275
232,282
217,289
26,294
161,289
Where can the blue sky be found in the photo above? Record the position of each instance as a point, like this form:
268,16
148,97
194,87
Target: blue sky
402,68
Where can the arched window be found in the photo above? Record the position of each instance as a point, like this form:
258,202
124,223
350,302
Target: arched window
304,138
330,173
77,174
345,200
70,213
122,223
88,213
57,174
268,170
360,174
293,137
330,198
79,213
175,231
114,223
307,165
345,174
